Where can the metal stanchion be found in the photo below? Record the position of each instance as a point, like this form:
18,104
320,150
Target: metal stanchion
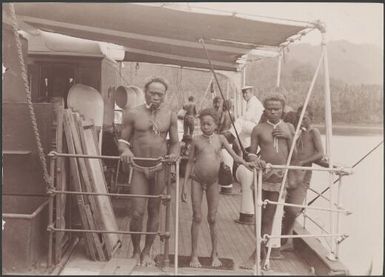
166,259
304,214
338,216
176,218
258,219
50,213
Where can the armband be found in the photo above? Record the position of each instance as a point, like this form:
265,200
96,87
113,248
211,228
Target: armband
125,142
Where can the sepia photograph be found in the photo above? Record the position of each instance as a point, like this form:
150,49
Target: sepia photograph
192,138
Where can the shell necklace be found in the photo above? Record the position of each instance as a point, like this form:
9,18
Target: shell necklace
275,139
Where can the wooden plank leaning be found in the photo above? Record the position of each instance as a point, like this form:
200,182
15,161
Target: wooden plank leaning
75,178
104,204
94,215
59,180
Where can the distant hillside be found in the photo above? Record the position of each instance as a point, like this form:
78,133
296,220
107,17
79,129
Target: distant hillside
356,73
355,70
353,64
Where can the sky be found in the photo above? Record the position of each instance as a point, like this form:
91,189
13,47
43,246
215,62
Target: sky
354,22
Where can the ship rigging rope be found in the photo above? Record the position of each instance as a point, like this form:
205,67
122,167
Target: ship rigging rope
221,94
31,110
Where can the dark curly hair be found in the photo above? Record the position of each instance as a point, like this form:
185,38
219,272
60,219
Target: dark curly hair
309,110
156,79
211,112
275,97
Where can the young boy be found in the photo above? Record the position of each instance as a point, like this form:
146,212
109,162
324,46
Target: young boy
309,150
274,137
203,168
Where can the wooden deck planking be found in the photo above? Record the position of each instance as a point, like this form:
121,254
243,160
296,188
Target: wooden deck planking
235,241
238,249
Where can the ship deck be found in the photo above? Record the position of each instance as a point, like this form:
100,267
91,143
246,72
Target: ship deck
235,242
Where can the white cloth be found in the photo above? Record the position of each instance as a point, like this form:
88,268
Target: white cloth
246,123
254,110
228,160
245,178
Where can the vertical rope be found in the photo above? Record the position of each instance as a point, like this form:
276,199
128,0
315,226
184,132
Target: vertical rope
24,76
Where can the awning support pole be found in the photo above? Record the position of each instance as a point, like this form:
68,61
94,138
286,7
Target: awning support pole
279,68
244,70
328,125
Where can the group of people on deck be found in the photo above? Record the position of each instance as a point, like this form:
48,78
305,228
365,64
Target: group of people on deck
150,131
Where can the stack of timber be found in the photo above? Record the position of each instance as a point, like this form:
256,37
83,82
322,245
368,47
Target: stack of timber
62,206
87,175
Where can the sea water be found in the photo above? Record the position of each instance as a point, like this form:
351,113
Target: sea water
362,194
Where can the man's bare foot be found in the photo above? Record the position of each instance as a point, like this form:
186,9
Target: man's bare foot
194,262
146,260
136,256
215,262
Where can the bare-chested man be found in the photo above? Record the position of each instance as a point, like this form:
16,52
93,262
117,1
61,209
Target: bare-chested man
309,151
146,127
274,137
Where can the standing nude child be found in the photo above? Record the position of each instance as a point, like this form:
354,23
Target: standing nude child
203,168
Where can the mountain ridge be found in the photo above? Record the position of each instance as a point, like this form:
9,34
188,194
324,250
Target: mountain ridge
351,63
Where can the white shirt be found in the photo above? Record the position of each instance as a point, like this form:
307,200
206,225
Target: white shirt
254,110
246,123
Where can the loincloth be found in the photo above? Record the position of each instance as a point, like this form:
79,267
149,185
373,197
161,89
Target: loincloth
189,119
149,168
299,177
272,179
204,185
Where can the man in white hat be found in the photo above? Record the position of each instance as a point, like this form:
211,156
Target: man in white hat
246,122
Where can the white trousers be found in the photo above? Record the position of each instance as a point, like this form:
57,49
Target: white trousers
245,178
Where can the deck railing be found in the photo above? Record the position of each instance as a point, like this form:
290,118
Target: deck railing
259,203
336,236
53,193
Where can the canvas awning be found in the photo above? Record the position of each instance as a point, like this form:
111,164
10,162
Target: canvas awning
47,43
157,34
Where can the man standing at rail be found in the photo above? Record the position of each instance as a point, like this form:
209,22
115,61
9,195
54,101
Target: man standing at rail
146,127
251,117
274,137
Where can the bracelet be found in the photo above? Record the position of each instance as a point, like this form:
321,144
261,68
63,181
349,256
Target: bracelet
125,142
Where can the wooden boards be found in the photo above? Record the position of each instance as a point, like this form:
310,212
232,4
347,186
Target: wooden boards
60,180
87,176
119,266
98,181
